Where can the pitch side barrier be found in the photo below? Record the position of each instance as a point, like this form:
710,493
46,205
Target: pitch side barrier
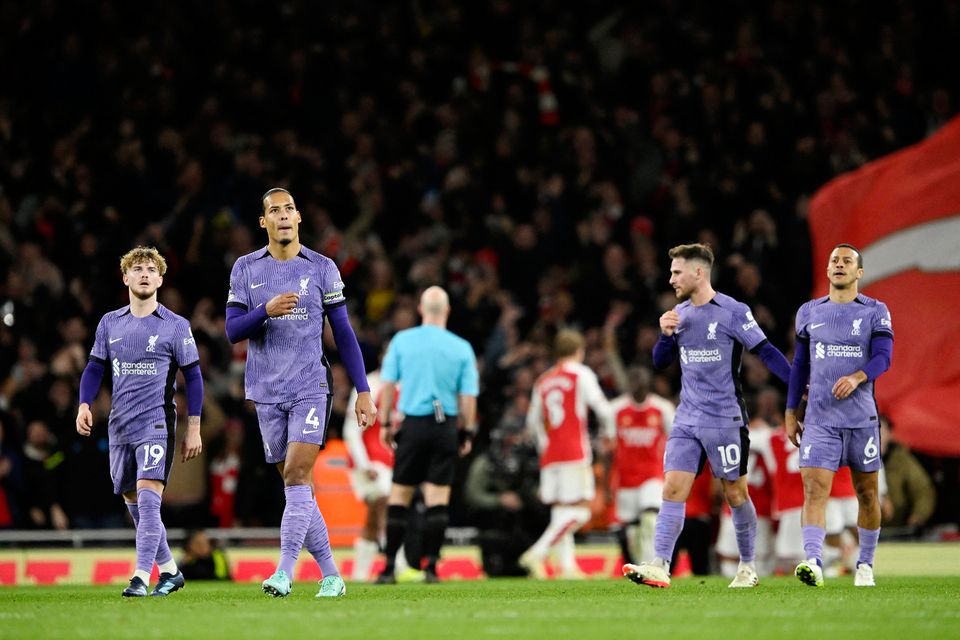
232,537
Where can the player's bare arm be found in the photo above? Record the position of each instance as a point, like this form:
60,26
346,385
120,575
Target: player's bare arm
848,384
793,426
669,322
282,304
84,419
191,445
365,409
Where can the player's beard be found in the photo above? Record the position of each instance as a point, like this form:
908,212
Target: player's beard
285,241
139,295
682,295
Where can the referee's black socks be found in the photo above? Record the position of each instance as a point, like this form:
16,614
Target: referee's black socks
396,532
435,527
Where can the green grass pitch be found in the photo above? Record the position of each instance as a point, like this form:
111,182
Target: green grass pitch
781,608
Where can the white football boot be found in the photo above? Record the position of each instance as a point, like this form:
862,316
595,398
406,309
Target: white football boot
652,574
746,577
864,576
810,573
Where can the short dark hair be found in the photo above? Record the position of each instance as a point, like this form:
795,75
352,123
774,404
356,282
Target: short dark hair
844,245
270,192
697,251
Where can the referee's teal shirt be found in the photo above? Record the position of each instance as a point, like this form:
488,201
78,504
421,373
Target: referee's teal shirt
430,363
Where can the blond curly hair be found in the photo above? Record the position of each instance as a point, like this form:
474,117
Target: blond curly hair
141,254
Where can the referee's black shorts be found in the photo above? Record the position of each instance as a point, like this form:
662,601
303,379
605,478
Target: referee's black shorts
426,451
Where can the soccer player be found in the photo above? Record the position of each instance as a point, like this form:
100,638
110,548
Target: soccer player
844,343
708,330
557,419
438,373
279,297
371,473
144,344
643,420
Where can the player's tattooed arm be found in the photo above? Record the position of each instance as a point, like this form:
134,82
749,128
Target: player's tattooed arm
192,445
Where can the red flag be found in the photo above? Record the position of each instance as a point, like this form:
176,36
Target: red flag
903,212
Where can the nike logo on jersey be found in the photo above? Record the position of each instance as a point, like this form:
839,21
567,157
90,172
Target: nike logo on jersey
679,331
308,432
814,326
254,286
728,470
869,460
116,340
156,466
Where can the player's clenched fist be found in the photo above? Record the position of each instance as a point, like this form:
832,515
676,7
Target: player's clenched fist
84,420
282,304
669,322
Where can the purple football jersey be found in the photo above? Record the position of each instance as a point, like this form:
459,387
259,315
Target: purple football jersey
143,355
838,336
285,358
711,339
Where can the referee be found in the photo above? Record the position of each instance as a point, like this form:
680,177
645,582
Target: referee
437,374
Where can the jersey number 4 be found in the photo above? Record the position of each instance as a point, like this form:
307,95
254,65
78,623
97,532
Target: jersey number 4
313,420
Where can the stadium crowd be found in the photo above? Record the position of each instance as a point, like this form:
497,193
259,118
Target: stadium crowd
537,160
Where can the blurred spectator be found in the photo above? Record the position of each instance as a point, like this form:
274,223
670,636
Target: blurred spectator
202,558
501,493
909,488
42,473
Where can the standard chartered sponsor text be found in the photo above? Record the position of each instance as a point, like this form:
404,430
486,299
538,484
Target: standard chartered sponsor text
297,313
844,351
704,355
138,369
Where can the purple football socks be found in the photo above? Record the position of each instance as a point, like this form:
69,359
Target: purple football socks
745,524
297,514
669,526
